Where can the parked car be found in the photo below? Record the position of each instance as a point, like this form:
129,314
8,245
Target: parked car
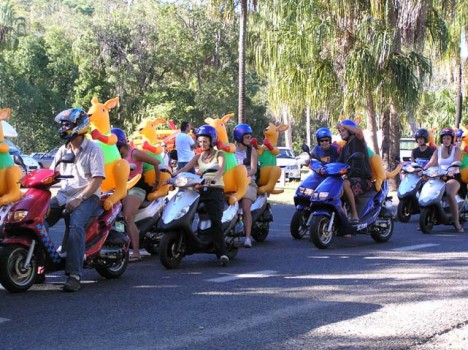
407,145
288,164
46,159
30,162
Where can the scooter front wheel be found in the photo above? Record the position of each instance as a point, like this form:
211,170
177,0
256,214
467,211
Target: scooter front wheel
319,233
404,211
170,250
14,276
298,226
426,219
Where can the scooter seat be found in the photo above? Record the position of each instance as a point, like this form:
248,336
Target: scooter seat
144,204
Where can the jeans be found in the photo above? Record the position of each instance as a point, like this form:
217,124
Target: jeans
75,242
180,165
214,201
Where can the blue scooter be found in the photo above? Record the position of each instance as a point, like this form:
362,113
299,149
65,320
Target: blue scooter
330,214
299,222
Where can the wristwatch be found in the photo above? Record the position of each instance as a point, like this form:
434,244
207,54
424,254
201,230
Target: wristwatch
83,197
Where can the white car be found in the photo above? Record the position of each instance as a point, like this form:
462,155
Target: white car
288,164
30,163
406,147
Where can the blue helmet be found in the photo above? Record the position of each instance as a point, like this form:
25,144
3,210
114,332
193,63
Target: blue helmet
349,122
240,130
422,133
459,133
121,137
323,133
78,117
208,131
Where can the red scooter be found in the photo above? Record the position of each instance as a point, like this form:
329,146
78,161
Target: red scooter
28,249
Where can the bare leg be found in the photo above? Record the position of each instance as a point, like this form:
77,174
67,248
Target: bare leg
131,205
247,216
452,188
350,197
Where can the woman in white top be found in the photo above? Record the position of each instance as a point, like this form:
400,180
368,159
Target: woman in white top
444,156
247,155
212,195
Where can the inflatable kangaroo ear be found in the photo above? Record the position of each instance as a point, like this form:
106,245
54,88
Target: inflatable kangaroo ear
5,113
283,127
357,119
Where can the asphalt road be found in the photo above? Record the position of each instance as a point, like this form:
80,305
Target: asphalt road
408,293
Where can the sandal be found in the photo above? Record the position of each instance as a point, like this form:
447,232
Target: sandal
459,229
133,258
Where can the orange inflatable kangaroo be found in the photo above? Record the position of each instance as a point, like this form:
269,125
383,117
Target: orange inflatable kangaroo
116,168
236,179
149,143
10,173
269,171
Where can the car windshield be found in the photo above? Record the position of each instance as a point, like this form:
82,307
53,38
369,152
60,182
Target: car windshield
285,153
407,145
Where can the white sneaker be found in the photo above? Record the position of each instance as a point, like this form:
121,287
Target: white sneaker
248,243
224,260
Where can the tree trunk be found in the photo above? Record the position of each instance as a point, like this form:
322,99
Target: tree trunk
412,122
372,123
288,132
242,37
394,149
459,101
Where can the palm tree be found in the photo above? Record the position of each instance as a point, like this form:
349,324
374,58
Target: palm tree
228,8
11,27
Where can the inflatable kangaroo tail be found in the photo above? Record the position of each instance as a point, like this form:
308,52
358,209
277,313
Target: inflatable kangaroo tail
394,172
132,182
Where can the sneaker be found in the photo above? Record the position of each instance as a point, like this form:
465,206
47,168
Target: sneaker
248,243
224,260
72,285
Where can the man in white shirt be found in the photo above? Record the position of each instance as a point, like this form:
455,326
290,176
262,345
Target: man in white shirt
184,145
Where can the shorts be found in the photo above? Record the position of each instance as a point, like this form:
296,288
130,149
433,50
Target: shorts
360,185
251,191
137,192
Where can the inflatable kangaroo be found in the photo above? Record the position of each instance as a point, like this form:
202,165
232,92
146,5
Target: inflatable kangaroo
236,179
269,171
116,168
148,143
10,173
464,155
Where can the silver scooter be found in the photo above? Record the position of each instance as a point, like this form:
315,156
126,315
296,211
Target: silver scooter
185,222
408,191
435,209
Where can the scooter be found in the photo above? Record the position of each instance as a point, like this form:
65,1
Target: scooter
329,216
261,218
299,222
435,209
28,249
409,189
185,222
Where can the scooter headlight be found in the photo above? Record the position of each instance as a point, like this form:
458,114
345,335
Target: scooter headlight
308,191
181,181
323,195
17,216
182,212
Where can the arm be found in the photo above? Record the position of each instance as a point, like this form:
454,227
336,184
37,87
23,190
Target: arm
220,172
189,165
141,156
253,163
433,161
89,190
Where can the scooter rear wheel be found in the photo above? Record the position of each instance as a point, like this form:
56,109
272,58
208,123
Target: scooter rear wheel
426,220
404,211
298,226
319,235
169,250
13,275
115,270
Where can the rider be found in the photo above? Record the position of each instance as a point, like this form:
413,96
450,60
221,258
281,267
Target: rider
423,151
213,194
459,137
247,155
446,154
359,174
324,151
80,195
137,194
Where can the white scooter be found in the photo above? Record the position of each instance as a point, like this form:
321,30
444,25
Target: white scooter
185,222
408,191
435,209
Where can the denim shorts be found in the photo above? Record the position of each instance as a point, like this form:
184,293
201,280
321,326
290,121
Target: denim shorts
137,192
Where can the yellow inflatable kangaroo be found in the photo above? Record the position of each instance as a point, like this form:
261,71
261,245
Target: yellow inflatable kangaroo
10,173
269,171
236,179
116,168
147,131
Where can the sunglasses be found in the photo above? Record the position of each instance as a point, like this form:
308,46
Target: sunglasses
324,140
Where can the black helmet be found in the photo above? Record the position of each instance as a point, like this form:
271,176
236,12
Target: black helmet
449,132
422,133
